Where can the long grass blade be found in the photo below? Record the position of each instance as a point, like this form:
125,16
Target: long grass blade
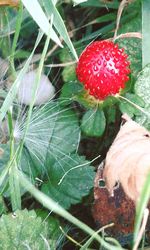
13,91
59,25
40,18
145,32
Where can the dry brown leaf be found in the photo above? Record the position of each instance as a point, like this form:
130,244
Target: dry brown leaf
128,159
13,3
119,210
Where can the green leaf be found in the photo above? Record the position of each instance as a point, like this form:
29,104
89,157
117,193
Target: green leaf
68,73
65,137
14,188
40,18
70,92
52,205
3,208
30,165
4,158
4,155
126,107
55,233
71,178
23,230
26,166
53,132
74,91
59,25
93,122
132,46
142,85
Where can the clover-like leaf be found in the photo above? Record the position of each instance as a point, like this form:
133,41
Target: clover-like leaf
53,132
70,180
142,85
128,108
70,92
93,122
23,230
133,46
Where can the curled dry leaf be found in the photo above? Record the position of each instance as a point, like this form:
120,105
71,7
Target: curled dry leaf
118,209
128,159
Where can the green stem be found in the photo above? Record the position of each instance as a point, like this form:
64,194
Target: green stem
5,41
10,127
13,181
141,205
12,166
16,36
34,90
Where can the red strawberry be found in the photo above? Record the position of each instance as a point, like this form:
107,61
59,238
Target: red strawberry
103,69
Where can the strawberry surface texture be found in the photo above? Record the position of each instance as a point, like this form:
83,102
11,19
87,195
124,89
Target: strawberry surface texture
103,68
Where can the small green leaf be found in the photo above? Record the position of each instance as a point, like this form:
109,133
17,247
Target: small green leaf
23,230
143,119
53,132
4,158
70,91
14,188
109,101
59,25
3,208
54,228
68,73
4,155
142,85
71,178
126,107
65,137
132,46
93,122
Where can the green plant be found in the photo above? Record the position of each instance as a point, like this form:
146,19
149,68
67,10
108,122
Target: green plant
49,152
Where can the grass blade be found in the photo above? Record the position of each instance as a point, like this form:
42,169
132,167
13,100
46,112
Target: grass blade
142,204
40,18
14,186
13,91
145,32
59,25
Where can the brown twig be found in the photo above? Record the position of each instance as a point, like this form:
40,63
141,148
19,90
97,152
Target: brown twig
61,64
129,35
120,10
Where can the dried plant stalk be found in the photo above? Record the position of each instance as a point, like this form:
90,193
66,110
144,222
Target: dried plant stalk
13,3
